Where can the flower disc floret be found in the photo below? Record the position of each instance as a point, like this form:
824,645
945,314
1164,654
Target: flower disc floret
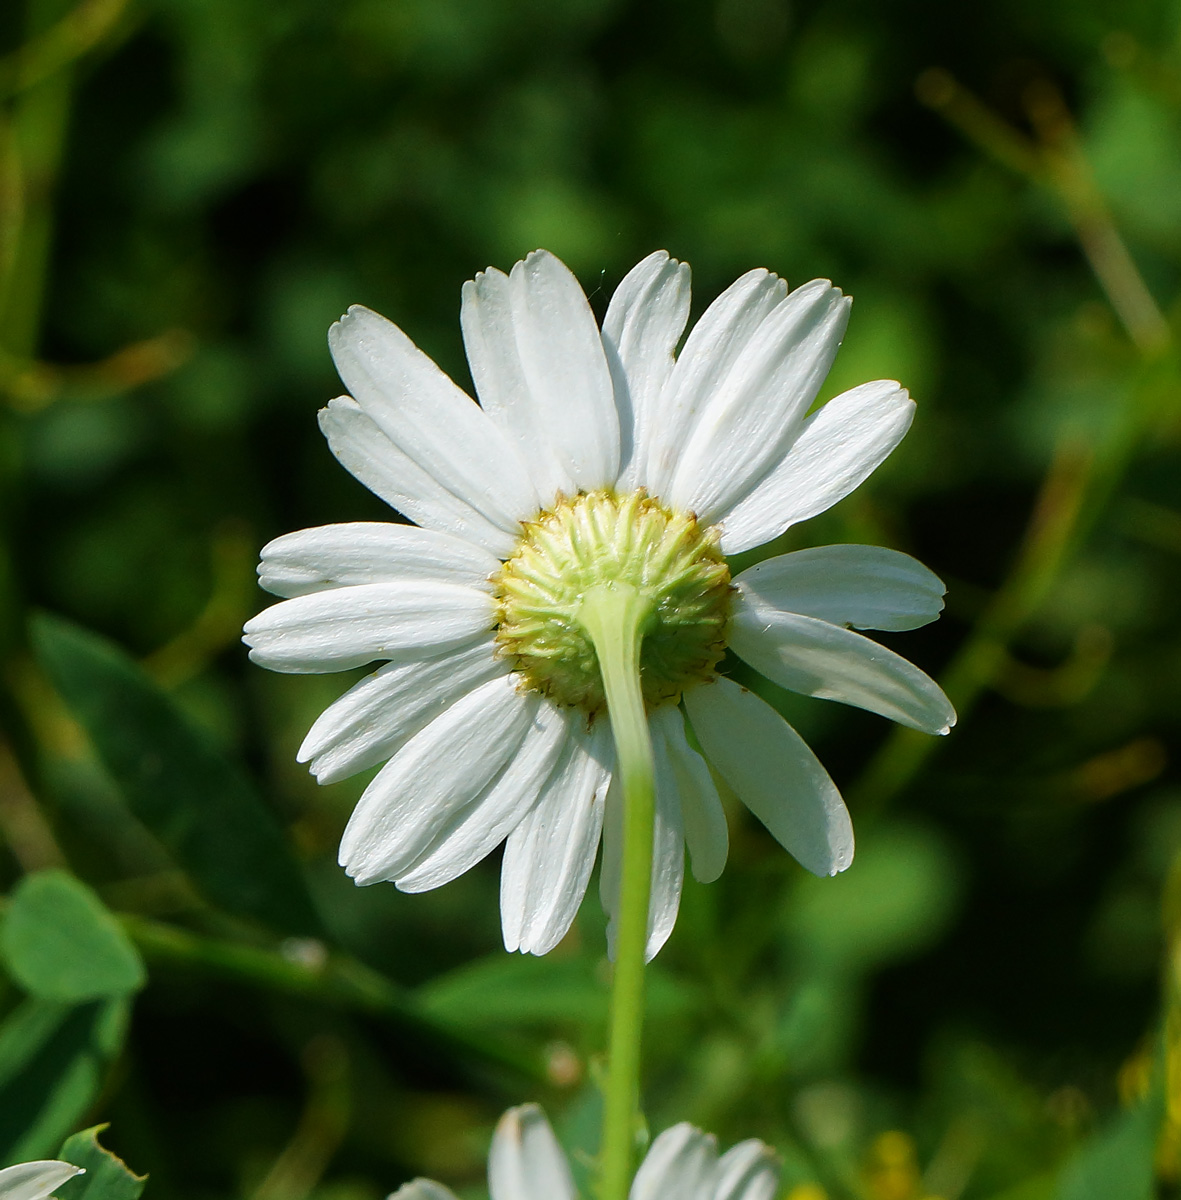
603,539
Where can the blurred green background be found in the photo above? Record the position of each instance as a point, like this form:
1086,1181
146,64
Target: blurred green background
191,191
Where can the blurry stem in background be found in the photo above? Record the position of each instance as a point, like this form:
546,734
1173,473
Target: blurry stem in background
1058,163
322,1127
1081,478
1049,535
55,47
614,615
219,623
31,386
22,825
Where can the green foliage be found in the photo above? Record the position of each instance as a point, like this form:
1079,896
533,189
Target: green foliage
202,810
60,943
107,1176
53,1061
232,174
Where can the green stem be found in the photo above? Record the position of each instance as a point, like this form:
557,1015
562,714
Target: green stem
614,615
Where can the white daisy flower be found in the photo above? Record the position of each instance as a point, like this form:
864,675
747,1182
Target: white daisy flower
526,1163
593,457
35,1180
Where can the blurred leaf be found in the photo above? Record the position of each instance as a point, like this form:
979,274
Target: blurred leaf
107,1176
526,990
62,944
895,899
53,1058
199,806
1118,1162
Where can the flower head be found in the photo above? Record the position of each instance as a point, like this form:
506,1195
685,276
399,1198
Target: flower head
526,1163
594,459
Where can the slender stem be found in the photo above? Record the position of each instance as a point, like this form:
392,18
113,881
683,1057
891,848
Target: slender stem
615,615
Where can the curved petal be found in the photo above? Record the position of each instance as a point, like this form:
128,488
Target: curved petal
430,419
526,1162
839,447
868,587
422,1189
704,819
367,454
331,556
748,1171
372,720
540,372
713,346
549,856
811,656
35,1180
668,857
475,832
644,322
751,420
773,773
352,626
434,776
679,1164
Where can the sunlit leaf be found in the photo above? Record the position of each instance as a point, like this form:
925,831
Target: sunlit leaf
107,1176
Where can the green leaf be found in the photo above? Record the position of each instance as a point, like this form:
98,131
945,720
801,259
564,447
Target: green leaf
1119,1161
199,806
53,1060
62,944
107,1176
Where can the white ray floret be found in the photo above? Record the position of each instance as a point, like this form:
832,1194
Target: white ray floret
526,1162
593,457
35,1180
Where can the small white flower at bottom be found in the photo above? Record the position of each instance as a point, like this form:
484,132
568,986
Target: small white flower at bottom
526,1163
35,1180
594,457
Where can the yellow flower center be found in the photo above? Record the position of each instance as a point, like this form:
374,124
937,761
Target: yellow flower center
602,539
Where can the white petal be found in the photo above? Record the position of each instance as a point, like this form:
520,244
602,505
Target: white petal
436,774
422,1189
366,452
549,857
478,830
711,349
679,1165
838,448
490,338
868,587
372,720
563,360
352,626
702,815
668,857
540,372
430,419
748,1171
773,773
644,322
752,418
35,1180
816,658
526,1162
331,556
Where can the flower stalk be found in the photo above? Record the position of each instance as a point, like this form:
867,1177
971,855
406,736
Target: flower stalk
615,616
